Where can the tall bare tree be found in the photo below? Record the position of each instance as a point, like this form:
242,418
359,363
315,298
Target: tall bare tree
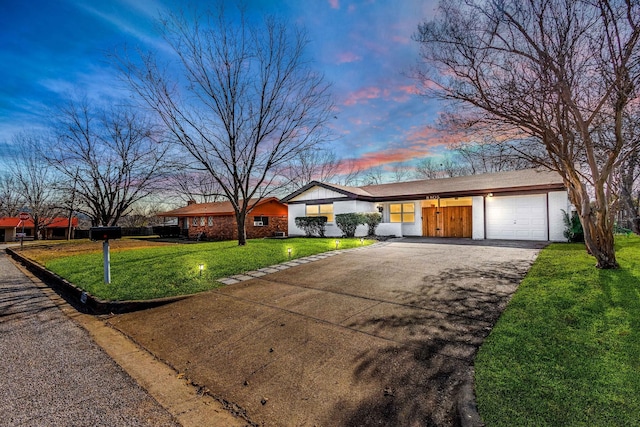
318,164
36,181
244,103
10,200
561,71
112,158
195,185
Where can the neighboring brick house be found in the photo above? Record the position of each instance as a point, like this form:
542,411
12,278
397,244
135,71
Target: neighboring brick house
57,228
217,221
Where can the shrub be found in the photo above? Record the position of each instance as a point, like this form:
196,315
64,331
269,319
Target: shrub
348,222
312,225
372,219
573,228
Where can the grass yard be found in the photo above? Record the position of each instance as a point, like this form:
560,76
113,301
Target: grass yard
566,351
143,270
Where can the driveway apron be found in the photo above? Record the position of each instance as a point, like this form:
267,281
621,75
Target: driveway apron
380,336
53,374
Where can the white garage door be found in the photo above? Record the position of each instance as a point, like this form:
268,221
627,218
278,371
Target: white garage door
517,217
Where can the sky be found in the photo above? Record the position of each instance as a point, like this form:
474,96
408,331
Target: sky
52,49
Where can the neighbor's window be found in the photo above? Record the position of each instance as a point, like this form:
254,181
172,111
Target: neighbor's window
321,210
195,221
202,219
260,221
210,221
402,212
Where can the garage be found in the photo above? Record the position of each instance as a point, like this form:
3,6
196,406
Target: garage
517,217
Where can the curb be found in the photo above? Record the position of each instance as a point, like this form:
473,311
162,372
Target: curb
466,409
83,301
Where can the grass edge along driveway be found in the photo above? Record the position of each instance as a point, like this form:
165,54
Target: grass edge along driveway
171,270
566,351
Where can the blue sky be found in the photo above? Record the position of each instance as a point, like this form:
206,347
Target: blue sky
51,49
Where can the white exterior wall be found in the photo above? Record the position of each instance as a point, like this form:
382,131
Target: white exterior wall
558,201
397,229
295,210
477,226
339,207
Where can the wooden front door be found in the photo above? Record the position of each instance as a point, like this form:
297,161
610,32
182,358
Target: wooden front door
452,221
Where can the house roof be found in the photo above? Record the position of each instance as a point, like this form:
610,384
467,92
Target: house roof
8,222
211,209
471,185
58,222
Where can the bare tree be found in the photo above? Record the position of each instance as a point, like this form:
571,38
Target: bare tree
10,199
400,172
447,167
111,157
250,103
561,71
349,173
373,176
489,155
319,164
196,185
36,182
629,174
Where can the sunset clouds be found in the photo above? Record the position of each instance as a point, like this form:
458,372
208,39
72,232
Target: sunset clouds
364,48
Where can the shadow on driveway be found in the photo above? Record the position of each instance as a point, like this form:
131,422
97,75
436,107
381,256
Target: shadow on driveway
380,336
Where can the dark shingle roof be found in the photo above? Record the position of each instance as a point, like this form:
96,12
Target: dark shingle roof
510,181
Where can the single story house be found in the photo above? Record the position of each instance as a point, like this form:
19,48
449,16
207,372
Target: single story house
217,221
516,205
56,228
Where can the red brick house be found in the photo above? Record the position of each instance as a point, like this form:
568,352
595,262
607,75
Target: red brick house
217,221
57,228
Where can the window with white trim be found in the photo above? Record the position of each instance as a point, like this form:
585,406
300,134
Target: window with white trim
402,212
320,210
194,221
260,221
202,220
210,221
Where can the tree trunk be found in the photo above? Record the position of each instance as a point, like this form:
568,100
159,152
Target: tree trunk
597,226
241,218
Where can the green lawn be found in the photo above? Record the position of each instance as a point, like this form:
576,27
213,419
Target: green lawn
566,351
155,272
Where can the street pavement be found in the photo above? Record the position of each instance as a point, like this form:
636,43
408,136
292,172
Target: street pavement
53,374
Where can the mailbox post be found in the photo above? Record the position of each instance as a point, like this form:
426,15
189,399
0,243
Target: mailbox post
104,234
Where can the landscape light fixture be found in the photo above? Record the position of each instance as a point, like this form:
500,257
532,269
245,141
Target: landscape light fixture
362,241
289,252
337,243
201,267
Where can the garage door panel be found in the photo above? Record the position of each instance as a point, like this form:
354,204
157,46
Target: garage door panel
517,217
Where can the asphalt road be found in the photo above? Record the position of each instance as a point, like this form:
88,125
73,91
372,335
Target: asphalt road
51,371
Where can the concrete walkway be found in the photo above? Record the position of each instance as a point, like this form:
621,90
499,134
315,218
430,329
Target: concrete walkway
385,335
51,371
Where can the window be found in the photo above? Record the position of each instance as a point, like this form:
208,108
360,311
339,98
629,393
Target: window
260,221
402,212
210,221
195,221
201,221
321,210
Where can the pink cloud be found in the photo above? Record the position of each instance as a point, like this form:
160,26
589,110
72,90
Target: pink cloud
401,39
346,57
335,4
363,95
384,157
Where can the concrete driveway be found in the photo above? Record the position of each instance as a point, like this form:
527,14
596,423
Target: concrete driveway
380,336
